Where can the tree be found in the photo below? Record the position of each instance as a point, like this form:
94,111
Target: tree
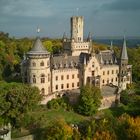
89,100
128,127
16,100
58,130
104,135
48,45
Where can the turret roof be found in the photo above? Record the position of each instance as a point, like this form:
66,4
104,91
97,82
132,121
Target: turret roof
124,55
38,48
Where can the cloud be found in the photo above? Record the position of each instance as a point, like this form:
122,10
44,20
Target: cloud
122,5
26,8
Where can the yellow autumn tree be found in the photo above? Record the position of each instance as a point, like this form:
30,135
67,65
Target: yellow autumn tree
58,130
104,135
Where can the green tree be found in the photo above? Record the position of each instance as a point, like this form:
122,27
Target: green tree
16,100
89,100
48,45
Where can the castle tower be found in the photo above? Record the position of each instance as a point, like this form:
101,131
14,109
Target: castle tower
123,67
38,67
77,23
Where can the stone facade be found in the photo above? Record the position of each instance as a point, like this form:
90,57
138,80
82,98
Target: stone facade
77,66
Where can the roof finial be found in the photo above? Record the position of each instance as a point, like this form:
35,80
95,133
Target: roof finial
89,37
111,45
38,30
77,10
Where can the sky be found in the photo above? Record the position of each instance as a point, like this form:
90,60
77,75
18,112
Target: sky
20,18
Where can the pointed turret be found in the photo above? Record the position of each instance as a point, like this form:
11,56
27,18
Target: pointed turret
89,37
38,48
64,37
111,45
124,55
123,70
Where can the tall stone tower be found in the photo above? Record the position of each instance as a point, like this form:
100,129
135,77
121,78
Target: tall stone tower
123,70
37,68
77,24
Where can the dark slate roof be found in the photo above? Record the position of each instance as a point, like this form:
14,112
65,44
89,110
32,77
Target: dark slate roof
106,57
84,56
124,51
59,62
38,48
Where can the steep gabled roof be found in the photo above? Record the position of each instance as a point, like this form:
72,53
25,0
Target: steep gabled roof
38,48
124,55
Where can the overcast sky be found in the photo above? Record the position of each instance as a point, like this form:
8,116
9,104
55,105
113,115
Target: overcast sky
20,18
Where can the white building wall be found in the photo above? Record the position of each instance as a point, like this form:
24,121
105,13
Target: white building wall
38,70
65,77
109,74
92,68
79,47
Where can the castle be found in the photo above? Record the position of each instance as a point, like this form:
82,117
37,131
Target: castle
77,66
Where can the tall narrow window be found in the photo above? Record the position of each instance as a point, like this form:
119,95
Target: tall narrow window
112,71
67,85
67,76
93,73
62,77
56,78
73,76
108,72
42,80
56,87
62,86
34,79
42,91
72,84
77,84
33,64
42,63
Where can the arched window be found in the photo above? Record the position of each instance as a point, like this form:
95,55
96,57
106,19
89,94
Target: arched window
33,64
34,79
42,91
42,63
42,78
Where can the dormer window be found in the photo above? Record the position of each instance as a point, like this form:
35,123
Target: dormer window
42,63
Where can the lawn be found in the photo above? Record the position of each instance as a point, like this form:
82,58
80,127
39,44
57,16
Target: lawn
69,116
49,115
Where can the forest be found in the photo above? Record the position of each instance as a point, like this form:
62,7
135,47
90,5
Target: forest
59,119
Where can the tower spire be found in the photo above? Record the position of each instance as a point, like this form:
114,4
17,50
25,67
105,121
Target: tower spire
111,45
124,55
89,37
